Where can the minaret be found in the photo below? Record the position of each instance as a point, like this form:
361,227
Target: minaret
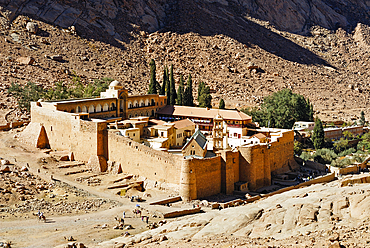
218,133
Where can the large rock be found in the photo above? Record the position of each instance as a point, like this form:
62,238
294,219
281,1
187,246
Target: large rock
25,60
32,27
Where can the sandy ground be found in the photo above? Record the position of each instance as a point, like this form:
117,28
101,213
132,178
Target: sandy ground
25,230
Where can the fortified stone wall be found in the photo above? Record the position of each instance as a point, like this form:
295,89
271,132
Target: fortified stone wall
229,170
258,162
255,166
281,153
139,159
66,131
206,176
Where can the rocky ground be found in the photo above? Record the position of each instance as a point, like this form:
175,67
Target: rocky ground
324,215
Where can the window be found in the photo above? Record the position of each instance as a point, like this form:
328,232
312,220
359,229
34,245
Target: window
162,133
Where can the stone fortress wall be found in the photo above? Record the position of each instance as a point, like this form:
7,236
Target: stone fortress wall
90,141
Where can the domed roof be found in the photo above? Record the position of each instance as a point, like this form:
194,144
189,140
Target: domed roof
115,83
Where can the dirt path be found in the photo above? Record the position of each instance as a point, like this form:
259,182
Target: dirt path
85,228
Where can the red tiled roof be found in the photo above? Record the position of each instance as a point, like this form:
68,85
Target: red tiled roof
183,123
203,112
259,136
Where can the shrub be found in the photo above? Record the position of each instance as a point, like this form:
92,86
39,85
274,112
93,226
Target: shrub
324,156
341,163
347,152
305,156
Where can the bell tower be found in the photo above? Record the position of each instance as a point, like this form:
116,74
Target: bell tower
218,133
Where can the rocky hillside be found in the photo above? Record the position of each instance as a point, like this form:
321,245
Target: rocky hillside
324,215
312,48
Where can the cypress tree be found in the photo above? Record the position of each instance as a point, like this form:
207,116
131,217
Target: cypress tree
200,90
318,136
222,104
362,119
204,97
180,92
168,86
164,81
153,82
172,88
188,94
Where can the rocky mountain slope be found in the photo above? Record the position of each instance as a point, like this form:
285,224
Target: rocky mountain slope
322,215
311,47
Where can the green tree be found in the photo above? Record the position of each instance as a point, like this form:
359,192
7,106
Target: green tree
164,81
362,119
26,94
153,82
168,89
298,146
200,90
341,145
188,94
318,136
348,135
180,92
204,97
172,88
282,109
221,104
324,156
32,92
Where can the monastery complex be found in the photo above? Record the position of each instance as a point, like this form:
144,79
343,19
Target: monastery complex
197,152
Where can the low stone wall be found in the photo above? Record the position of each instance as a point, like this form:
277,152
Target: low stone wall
323,179
11,125
181,212
166,201
344,171
363,179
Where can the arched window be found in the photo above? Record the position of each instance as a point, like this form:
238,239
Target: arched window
121,104
84,109
78,109
113,106
141,103
153,102
129,104
105,107
91,109
98,108
146,102
136,104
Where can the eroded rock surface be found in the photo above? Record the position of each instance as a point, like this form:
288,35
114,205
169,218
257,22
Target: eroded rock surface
313,211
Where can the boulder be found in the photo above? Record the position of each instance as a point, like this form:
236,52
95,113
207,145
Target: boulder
57,57
5,162
32,27
4,168
25,60
64,158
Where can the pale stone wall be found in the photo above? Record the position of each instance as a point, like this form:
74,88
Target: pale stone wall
65,131
205,176
254,166
258,162
139,159
193,149
281,153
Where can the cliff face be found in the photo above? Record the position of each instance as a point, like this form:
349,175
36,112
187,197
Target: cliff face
117,16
